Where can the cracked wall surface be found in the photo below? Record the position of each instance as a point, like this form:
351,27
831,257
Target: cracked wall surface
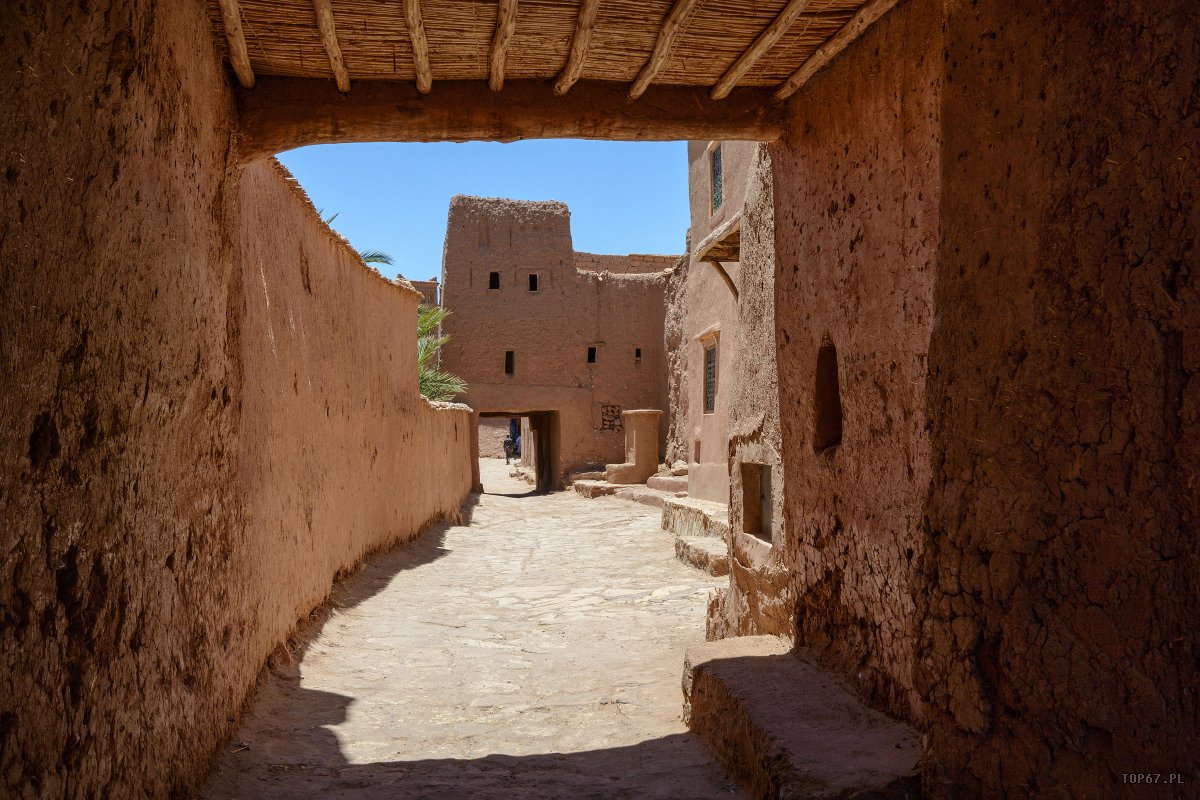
173,335
856,189
1058,643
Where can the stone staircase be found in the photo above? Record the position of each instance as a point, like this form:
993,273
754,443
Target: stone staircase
700,527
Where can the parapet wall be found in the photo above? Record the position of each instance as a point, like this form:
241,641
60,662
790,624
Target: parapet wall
187,457
632,263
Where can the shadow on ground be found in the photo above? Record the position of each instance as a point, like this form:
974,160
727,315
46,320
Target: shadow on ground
312,766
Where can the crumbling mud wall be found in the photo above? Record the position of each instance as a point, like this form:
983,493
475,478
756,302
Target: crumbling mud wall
1059,640
758,600
141,554
856,191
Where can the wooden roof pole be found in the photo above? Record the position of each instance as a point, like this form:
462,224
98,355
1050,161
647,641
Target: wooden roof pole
866,15
239,57
506,23
420,45
329,39
579,46
765,41
673,24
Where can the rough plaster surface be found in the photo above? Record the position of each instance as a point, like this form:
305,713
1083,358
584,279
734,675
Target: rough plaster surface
550,330
1059,639
856,214
547,667
759,598
163,526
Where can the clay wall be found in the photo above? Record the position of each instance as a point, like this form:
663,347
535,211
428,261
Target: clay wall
759,599
148,566
622,265
704,305
549,330
856,192
428,291
1059,640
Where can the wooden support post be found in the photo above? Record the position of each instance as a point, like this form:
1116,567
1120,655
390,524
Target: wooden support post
329,39
674,23
579,46
506,24
239,56
765,41
866,15
420,45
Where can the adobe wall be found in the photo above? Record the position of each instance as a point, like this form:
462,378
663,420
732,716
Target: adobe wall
759,599
856,200
550,330
623,265
707,305
428,291
147,571
1060,642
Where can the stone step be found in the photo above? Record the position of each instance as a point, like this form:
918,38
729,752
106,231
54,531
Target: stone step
784,727
596,475
642,494
689,518
704,553
594,488
668,483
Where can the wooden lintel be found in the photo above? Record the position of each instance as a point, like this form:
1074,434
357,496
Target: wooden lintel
722,244
239,56
328,29
506,24
866,16
420,45
676,19
579,46
283,113
765,41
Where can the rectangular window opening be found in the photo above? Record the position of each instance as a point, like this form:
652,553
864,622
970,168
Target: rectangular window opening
637,355
533,282
493,280
591,355
756,500
718,186
710,379
508,362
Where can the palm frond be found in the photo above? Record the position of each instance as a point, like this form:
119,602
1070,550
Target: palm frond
375,257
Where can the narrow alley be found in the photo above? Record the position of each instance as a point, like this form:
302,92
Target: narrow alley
534,651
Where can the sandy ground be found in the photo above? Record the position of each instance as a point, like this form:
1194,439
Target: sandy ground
535,652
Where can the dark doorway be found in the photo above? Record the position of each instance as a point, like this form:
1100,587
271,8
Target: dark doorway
539,444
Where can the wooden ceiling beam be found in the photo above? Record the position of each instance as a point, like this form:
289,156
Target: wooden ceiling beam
866,16
506,24
674,23
328,29
579,46
420,45
239,56
765,41
283,113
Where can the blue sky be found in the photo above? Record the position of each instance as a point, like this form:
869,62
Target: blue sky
625,197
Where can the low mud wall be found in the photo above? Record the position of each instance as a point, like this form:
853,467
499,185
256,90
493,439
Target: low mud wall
193,443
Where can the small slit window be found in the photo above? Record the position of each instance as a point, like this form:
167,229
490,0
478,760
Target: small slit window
533,282
827,424
718,184
591,355
493,280
710,379
508,362
637,355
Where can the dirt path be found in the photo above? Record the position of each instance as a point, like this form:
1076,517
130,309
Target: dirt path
534,653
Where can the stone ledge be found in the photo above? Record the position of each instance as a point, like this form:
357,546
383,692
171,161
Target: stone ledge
689,518
668,483
704,553
786,728
594,488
